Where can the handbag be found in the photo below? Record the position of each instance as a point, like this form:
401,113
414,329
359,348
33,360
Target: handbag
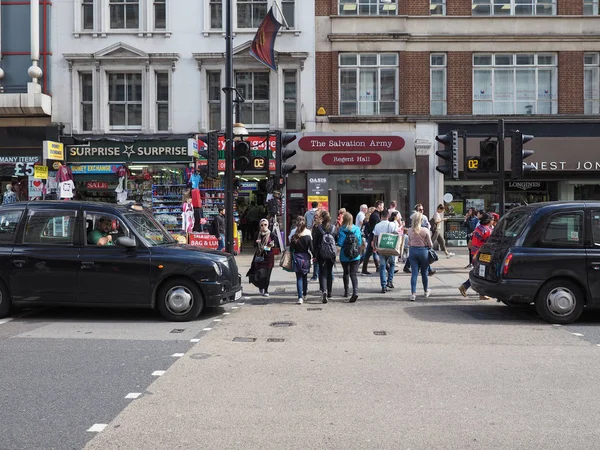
286,262
433,257
390,244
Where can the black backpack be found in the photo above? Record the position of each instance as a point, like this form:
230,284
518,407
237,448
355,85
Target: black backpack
350,248
327,249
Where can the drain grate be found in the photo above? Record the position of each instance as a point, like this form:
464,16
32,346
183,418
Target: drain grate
275,340
314,309
244,339
285,323
178,330
380,333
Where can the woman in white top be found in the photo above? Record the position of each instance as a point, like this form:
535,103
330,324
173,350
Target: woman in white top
419,239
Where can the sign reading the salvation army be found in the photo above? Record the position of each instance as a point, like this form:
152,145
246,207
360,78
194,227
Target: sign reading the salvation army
351,143
125,152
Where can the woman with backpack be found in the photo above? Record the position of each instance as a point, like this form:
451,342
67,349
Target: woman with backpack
301,246
325,251
350,241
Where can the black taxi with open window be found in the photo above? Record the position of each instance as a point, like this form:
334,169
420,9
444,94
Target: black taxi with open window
77,253
544,253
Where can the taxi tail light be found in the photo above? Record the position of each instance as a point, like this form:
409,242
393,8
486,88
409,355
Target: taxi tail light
506,264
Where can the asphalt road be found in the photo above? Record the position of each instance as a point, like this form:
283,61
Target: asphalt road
66,370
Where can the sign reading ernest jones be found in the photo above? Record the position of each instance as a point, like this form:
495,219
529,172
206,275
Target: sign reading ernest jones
351,143
140,151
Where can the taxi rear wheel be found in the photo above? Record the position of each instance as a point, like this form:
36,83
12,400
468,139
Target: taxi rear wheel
179,300
560,301
5,301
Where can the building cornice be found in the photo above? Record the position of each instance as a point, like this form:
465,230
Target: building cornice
555,118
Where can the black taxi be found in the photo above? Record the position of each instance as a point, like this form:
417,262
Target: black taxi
95,254
544,253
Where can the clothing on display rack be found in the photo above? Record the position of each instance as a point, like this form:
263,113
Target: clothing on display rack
9,196
64,174
65,189
187,223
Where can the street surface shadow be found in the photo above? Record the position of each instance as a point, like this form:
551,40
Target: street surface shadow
100,314
490,313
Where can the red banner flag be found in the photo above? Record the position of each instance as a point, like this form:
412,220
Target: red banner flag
263,45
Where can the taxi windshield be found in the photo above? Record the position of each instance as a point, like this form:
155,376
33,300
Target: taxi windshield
151,232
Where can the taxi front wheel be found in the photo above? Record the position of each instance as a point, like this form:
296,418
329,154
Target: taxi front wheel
5,301
179,300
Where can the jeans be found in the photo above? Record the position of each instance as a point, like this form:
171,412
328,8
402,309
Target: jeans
221,242
467,284
326,275
419,261
350,271
386,274
301,284
368,254
315,271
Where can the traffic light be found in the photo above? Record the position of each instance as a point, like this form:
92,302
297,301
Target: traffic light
210,151
449,153
283,154
243,156
517,154
488,156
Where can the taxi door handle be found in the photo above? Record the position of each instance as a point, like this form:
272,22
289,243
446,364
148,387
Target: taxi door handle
596,265
87,264
19,262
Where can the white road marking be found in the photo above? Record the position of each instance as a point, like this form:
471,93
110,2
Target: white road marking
245,298
158,373
577,334
241,303
177,355
194,340
97,427
5,321
556,325
216,320
206,329
234,307
133,395
226,314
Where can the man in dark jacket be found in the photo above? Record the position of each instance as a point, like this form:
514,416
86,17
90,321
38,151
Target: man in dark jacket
373,220
220,228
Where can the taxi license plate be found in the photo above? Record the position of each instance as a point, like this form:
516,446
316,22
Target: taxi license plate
238,295
484,257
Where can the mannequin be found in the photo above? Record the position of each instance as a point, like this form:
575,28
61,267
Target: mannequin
121,189
187,223
9,195
195,179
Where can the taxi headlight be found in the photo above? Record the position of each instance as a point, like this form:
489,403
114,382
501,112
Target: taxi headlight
218,269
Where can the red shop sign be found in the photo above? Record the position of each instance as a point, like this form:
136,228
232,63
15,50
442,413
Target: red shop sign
351,143
346,159
96,185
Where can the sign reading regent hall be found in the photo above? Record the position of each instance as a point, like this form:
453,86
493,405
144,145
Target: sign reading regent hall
126,152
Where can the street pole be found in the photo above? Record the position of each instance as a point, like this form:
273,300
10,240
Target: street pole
229,220
501,188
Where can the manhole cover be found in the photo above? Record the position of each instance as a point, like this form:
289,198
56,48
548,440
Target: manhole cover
178,330
314,309
275,340
380,333
285,323
244,339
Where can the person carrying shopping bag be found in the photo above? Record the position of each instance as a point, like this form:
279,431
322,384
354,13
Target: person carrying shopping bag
350,241
301,246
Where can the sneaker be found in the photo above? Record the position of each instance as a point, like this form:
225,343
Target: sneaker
262,291
432,272
324,300
427,293
450,255
462,290
396,271
484,297
353,298
300,301
364,272
265,294
413,297
390,285
469,266
383,290
313,279
406,270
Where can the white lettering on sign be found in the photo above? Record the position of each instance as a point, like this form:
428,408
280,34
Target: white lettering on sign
16,159
318,180
24,169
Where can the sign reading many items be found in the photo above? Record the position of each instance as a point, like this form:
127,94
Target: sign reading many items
125,152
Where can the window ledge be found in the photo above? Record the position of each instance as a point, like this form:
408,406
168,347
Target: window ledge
207,33
411,118
96,34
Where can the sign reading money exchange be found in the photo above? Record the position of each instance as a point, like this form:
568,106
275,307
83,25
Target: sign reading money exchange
130,152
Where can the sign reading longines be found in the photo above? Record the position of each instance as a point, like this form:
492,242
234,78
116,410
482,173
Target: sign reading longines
137,152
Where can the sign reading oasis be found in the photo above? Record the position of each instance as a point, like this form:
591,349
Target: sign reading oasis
138,152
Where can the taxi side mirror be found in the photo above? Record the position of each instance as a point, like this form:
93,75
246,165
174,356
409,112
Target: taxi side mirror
126,242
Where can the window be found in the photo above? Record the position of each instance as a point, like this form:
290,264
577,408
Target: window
150,231
216,14
590,7
250,13
87,98
214,99
438,84
290,100
50,227
254,87
596,228
105,224
564,230
125,101
514,84
287,6
437,8
9,221
160,14
87,14
514,7
591,83
124,14
368,84
162,101
368,7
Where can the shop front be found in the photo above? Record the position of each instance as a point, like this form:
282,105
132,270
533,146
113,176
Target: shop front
346,170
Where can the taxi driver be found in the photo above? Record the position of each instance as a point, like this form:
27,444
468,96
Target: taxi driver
100,236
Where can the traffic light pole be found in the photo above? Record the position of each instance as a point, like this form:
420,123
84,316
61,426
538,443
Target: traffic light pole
501,187
229,220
